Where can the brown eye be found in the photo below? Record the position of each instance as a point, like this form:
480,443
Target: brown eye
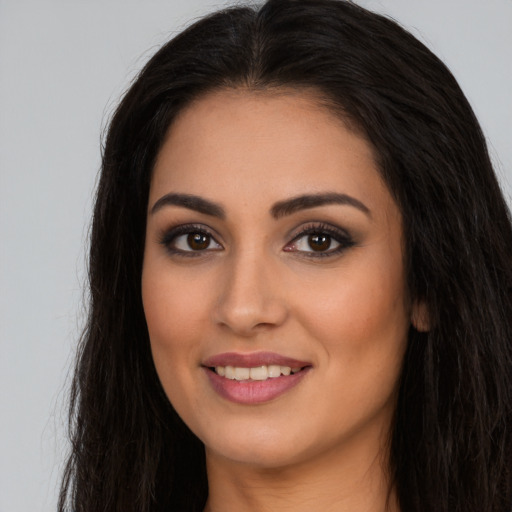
319,242
198,241
188,239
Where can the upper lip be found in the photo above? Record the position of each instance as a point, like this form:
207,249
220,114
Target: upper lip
253,360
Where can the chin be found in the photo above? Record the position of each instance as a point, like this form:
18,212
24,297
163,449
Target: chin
262,447
257,456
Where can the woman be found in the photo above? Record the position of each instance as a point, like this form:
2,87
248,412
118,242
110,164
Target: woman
300,279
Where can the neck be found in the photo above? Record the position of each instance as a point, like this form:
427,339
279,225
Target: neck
354,480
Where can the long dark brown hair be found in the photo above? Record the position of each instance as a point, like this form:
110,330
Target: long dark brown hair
451,446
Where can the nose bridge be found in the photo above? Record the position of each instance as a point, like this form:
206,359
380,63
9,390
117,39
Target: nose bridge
250,298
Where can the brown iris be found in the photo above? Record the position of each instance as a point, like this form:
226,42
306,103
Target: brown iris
319,242
198,241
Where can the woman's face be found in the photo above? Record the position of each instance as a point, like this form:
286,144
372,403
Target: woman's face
273,247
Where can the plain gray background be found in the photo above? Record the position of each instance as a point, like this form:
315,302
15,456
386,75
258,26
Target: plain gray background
63,66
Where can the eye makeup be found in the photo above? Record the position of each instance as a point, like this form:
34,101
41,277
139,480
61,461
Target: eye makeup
319,240
311,240
189,240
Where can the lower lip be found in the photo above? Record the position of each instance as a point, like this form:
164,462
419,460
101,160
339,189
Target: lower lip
251,392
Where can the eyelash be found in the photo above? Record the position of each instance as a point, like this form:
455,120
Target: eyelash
169,237
340,236
345,241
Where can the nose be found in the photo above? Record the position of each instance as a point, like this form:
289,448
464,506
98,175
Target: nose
251,298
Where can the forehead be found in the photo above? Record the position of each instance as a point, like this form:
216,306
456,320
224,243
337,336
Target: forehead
247,145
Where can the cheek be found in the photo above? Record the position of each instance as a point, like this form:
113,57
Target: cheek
360,307
175,317
362,330
361,323
175,309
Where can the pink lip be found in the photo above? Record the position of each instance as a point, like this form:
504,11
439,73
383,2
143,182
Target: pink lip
252,360
252,392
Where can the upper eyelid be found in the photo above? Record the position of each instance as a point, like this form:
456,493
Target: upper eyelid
318,227
180,229
303,230
172,233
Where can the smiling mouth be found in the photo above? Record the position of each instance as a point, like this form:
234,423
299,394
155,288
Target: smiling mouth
257,373
253,379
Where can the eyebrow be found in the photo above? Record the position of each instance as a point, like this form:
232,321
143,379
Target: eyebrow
190,202
289,206
278,210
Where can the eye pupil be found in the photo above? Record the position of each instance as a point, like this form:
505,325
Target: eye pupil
319,242
198,241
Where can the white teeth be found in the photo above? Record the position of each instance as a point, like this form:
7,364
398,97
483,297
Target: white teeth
242,373
229,372
286,370
274,370
257,373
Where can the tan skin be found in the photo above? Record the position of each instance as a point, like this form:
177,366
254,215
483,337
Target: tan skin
323,284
